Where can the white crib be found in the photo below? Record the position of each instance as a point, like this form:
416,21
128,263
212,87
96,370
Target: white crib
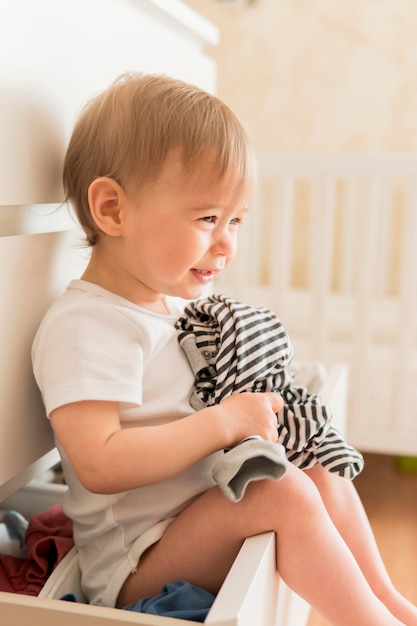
331,247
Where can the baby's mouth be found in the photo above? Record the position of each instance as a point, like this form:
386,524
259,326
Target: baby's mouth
204,276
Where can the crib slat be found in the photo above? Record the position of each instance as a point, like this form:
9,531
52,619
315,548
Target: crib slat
346,279
365,249
251,243
407,318
385,234
320,259
281,236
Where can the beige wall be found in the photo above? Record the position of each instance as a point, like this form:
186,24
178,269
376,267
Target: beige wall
320,75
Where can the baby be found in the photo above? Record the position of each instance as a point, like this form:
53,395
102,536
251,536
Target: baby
160,175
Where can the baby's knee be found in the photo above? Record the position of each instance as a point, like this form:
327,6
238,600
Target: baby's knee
294,494
301,489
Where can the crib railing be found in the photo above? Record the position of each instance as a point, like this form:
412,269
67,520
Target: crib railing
331,246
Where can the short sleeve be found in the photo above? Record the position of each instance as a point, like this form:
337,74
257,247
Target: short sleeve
88,353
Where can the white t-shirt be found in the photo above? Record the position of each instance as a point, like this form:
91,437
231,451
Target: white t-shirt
94,345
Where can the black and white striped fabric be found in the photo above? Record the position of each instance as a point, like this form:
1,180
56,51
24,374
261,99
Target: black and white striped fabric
233,348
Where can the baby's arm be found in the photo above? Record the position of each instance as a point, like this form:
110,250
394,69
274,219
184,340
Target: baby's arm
109,459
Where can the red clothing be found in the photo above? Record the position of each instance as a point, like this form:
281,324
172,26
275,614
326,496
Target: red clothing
48,539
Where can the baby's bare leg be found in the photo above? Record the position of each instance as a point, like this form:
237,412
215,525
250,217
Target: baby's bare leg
202,542
346,510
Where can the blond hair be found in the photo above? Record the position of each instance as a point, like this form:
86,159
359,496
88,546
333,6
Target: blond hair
126,133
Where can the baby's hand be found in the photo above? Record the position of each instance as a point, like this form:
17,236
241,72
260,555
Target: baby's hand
252,414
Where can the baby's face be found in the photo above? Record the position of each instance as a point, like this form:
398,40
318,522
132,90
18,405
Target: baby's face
181,231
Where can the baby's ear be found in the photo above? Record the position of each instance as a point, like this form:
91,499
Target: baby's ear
105,198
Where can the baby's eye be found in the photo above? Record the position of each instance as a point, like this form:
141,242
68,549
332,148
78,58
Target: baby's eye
209,218
236,221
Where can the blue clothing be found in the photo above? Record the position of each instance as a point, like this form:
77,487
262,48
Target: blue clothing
179,599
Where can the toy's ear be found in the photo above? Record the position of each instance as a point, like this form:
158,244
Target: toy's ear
105,197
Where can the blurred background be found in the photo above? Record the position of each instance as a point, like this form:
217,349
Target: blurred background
317,75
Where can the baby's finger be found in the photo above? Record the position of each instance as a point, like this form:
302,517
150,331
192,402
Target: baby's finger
276,401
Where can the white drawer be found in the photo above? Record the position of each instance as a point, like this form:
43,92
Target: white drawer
248,597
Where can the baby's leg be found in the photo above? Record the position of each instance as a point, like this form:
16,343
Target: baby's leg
345,508
202,542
